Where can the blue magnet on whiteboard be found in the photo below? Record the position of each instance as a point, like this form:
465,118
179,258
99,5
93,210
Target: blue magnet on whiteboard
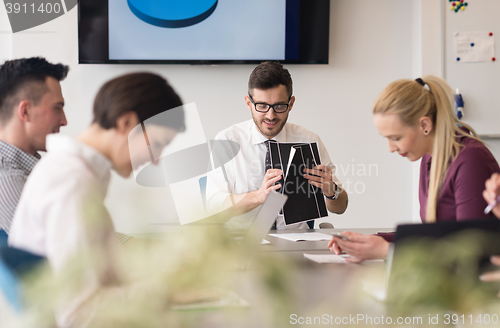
472,44
458,58
172,13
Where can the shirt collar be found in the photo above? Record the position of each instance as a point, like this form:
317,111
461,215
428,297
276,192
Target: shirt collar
429,162
258,138
14,157
96,161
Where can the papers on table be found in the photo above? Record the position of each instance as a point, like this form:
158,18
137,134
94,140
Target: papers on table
332,258
327,258
303,236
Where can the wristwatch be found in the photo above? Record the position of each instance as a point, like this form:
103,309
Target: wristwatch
336,194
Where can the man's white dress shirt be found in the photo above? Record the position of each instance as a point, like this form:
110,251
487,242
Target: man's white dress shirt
245,172
61,212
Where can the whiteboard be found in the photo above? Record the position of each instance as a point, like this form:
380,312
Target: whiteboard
479,83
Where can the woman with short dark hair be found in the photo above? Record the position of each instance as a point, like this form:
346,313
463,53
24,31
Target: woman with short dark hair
61,213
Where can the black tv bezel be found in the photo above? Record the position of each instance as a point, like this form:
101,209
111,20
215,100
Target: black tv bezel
313,47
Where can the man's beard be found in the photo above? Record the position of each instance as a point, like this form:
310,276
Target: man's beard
265,132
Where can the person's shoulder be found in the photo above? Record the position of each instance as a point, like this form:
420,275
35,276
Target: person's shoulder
295,131
12,174
236,131
473,150
58,167
474,154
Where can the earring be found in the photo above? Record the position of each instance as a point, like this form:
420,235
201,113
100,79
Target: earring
426,132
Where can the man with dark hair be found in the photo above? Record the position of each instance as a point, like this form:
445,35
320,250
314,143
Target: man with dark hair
245,181
31,107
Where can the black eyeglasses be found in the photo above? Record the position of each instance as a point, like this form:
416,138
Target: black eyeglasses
264,108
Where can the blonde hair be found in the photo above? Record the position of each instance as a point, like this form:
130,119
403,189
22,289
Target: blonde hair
411,100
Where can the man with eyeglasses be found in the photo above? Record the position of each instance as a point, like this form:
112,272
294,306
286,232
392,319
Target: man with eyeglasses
244,183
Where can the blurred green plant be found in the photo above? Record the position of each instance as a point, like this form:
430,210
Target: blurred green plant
138,287
442,275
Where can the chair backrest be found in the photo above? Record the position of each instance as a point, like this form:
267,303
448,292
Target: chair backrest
10,284
13,264
3,238
326,225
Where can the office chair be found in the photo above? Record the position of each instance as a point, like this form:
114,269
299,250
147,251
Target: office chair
3,238
322,225
14,263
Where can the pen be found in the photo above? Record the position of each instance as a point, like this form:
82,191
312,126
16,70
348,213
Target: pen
492,205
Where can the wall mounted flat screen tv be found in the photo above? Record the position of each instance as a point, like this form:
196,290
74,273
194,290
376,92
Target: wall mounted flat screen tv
203,31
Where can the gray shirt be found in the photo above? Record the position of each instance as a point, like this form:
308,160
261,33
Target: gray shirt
15,166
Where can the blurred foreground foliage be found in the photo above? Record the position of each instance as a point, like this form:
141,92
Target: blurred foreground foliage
139,286
442,275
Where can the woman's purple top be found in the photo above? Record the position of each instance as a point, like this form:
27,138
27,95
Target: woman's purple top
461,196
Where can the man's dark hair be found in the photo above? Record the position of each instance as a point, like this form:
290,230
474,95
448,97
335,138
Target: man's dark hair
146,94
24,79
269,75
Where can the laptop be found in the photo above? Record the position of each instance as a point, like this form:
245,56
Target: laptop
249,240
434,260
263,221
250,244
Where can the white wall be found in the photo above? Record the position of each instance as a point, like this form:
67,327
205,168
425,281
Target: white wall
428,59
5,36
371,44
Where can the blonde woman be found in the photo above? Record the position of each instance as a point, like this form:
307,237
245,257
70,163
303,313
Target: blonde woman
418,120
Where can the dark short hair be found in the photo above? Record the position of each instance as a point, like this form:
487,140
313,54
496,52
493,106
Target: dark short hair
25,79
269,75
146,94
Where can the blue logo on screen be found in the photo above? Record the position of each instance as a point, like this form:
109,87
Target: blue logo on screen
172,13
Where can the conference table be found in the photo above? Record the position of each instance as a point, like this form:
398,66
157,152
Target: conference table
332,292
283,245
